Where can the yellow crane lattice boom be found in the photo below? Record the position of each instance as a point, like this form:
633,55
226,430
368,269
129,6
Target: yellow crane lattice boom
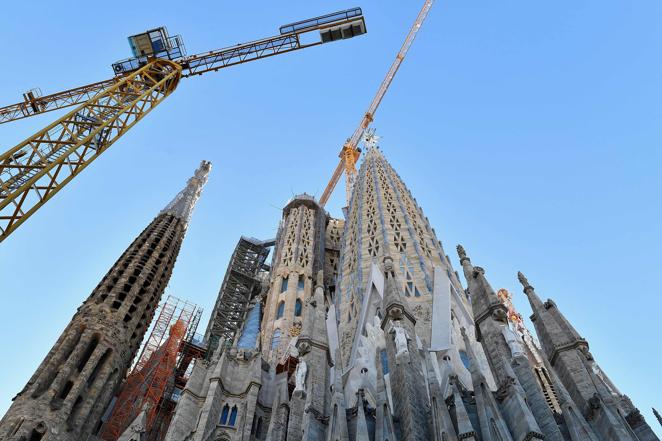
349,154
36,169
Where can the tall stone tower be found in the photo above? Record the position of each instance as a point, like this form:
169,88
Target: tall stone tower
67,395
299,254
384,219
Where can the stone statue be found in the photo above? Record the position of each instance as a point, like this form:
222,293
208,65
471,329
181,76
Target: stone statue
514,341
400,339
300,376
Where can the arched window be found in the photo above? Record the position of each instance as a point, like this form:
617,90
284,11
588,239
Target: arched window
258,428
297,308
233,416
283,285
281,310
301,283
275,340
224,415
465,359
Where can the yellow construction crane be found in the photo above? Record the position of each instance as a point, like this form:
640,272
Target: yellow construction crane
36,169
350,153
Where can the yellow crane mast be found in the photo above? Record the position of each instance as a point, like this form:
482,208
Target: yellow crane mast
32,172
350,153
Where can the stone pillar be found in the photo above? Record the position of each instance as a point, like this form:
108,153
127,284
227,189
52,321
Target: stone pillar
568,354
309,414
492,331
410,401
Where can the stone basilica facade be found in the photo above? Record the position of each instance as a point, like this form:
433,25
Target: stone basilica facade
359,329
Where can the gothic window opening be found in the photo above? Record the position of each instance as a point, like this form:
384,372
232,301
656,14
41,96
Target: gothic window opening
407,271
301,283
258,428
465,359
88,352
36,436
283,284
281,310
224,415
306,242
297,308
275,339
384,358
233,416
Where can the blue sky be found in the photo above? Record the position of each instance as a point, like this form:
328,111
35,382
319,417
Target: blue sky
528,131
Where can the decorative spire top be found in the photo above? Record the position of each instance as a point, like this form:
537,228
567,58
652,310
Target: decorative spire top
182,205
462,254
657,415
524,281
370,139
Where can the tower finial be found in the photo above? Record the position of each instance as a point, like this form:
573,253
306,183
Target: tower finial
182,205
524,281
657,415
462,254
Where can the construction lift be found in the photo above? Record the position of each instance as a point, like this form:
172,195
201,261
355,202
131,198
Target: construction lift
350,152
36,169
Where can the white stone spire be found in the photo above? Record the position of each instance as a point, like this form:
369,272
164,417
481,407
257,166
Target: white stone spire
182,205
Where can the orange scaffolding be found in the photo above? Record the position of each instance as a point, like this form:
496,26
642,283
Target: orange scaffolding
146,386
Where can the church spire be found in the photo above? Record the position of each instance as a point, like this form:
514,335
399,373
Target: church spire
569,356
71,389
183,203
554,331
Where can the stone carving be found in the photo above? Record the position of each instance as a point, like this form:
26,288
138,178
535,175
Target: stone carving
505,388
460,252
514,341
634,418
300,377
304,347
295,329
499,315
522,279
400,339
388,264
594,405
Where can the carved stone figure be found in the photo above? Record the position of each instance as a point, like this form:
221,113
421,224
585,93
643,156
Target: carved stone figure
514,341
300,376
400,339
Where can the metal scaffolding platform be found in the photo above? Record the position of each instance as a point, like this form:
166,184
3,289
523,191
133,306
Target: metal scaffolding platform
151,381
241,283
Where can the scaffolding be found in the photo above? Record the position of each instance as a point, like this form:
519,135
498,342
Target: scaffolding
151,380
241,283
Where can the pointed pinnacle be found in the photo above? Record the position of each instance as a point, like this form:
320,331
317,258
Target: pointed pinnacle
460,251
525,282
